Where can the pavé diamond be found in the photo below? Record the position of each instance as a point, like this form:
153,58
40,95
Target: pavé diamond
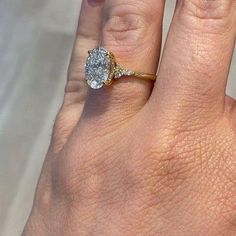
119,72
97,69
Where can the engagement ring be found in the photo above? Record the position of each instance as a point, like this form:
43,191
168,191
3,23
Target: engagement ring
102,69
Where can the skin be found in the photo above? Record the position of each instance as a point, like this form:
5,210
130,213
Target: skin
138,158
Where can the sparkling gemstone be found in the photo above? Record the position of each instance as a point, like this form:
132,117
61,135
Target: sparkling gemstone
118,72
97,69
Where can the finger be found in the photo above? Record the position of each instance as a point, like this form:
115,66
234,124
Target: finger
132,32
196,60
87,37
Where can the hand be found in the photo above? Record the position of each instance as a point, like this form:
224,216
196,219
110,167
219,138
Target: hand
138,158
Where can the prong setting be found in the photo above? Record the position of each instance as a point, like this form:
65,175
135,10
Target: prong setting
101,69
98,68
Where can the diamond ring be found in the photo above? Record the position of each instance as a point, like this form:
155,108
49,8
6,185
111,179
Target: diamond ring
102,69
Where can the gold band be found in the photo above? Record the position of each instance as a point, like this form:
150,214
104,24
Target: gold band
145,76
119,71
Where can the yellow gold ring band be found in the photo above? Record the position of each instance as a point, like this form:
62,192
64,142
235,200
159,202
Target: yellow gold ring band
145,76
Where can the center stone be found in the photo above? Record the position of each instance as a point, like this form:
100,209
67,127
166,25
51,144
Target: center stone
97,69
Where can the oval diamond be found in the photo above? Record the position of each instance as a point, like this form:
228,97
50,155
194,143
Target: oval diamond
97,69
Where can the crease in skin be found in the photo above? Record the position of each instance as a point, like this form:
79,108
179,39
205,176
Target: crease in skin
207,9
127,25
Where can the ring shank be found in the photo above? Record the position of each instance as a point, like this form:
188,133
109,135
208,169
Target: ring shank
145,76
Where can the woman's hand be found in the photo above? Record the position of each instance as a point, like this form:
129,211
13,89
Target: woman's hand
138,158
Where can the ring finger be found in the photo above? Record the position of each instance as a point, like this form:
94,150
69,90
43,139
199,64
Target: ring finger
132,31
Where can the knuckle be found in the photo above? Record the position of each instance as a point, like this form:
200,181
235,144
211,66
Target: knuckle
161,173
85,178
212,13
75,86
176,154
126,24
75,95
170,163
75,70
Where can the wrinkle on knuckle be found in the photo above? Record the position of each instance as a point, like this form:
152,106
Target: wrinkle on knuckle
170,166
213,15
173,168
75,89
184,152
126,24
84,34
75,71
76,86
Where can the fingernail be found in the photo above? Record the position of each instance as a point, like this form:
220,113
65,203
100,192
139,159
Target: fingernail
95,2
